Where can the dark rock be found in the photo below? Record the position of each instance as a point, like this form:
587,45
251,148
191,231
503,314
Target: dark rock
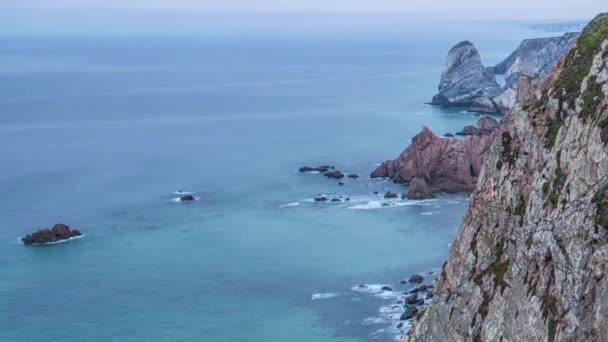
341,183
448,135
386,205
386,288
410,312
362,286
187,198
320,199
416,279
403,196
420,302
400,325
430,294
334,174
390,194
376,192
353,176
347,199
57,233
335,200
411,299
322,168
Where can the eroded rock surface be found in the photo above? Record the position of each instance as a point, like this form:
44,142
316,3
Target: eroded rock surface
443,164
530,259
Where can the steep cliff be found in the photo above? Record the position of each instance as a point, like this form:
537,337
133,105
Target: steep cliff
464,78
530,260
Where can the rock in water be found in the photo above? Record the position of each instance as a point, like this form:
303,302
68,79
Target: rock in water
464,78
353,176
418,189
59,232
416,279
530,260
334,174
390,194
187,198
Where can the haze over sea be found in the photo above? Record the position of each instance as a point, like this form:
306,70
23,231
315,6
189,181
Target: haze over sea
99,132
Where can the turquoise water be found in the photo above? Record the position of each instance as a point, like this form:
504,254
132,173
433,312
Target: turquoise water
99,132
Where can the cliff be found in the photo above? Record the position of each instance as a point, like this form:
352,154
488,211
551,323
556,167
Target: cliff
531,256
464,78
441,164
465,81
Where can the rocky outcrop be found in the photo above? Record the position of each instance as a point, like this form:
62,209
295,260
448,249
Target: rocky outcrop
58,233
187,198
464,78
530,259
443,164
534,57
465,81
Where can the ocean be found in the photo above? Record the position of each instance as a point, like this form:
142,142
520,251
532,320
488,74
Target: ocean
100,132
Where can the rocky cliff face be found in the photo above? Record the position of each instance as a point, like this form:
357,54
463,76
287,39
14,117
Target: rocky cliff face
534,57
530,262
437,164
472,84
464,78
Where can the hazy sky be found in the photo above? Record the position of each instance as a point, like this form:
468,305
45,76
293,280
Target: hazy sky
32,15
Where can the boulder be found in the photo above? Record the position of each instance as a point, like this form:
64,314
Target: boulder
386,288
320,198
448,135
411,299
353,176
419,189
59,232
410,312
334,174
390,194
416,279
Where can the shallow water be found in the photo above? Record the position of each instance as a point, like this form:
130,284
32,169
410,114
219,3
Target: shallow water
99,133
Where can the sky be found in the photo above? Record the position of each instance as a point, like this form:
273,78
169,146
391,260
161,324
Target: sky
194,15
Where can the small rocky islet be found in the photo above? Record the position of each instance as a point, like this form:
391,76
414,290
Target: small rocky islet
59,232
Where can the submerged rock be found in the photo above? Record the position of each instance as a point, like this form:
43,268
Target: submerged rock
448,135
58,233
353,176
321,198
386,288
411,299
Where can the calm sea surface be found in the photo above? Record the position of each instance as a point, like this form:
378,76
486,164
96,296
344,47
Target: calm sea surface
99,132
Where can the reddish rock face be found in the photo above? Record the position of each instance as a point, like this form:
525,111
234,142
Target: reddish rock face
442,164
418,189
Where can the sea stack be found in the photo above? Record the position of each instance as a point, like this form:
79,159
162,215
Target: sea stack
464,78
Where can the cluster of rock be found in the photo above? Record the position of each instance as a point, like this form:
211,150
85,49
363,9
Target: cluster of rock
325,170
466,82
59,232
530,259
326,198
434,164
